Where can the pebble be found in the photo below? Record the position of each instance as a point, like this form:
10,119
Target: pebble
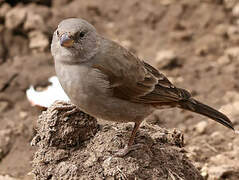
4,9
15,17
231,96
38,40
229,4
165,58
7,177
235,10
4,142
231,110
223,60
33,22
4,106
232,52
201,127
217,172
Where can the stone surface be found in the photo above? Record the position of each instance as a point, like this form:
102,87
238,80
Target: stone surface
201,127
33,21
38,40
235,10
5,142
15,17
166,59
4,8
232,52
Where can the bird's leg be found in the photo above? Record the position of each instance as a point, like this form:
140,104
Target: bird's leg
130,147
133,134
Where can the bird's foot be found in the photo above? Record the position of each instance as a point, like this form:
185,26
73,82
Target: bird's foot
64,106
123,152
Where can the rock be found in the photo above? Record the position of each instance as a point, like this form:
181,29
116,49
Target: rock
233,33
202,50
231,30
23,114
4,9
5,142
213,172
204,172
33,22
223,60
166,59
235,10
231,110
229,4
38,40
194,153
167,2
231,96
232,53
43,11
68,148
175,137
181,35
165,55
7,177
4,106
3,48
217,135
17,42
218,138
15,17
90,161
221,29
217,172
201,127
223,158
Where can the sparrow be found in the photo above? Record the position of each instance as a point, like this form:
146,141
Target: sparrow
105,80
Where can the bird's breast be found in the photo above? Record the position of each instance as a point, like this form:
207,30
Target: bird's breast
83,85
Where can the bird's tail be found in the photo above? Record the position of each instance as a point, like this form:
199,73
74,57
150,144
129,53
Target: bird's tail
198,107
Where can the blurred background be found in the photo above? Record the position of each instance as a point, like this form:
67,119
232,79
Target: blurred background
193,42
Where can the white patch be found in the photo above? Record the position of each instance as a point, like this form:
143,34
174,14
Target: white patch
47,97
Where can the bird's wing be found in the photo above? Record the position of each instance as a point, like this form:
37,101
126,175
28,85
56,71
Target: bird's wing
133,79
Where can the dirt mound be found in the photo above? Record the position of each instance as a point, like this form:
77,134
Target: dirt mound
68,149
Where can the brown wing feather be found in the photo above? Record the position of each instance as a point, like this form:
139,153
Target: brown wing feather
164,91
134,80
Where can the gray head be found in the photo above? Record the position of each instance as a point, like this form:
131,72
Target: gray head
74,40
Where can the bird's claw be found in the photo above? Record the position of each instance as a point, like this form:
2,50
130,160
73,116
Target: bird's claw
123,152
64,106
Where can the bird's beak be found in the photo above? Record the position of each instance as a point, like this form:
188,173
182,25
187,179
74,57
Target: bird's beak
66,41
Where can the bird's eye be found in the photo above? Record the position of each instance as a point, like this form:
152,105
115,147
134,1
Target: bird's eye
57,32
82,34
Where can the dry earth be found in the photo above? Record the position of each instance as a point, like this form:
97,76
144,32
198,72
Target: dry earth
194,43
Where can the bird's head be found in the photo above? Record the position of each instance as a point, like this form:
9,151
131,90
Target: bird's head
74,39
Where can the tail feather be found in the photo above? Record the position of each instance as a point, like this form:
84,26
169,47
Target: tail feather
198,107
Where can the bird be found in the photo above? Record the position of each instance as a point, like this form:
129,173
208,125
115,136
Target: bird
107,81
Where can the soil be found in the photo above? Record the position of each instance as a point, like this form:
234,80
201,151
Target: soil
194,43
75,147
